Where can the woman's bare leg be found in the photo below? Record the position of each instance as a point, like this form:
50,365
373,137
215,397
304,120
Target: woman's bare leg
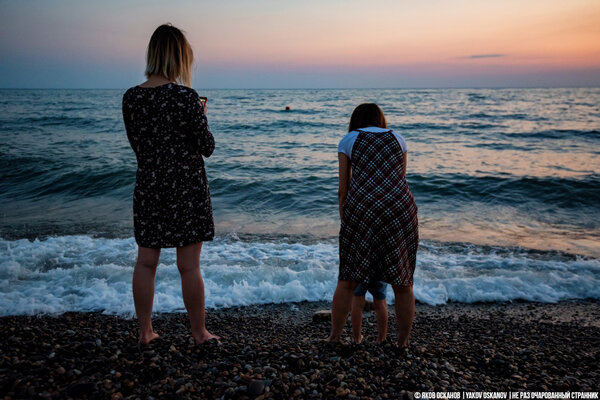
340,307
192,287
143,290
358,305
405,312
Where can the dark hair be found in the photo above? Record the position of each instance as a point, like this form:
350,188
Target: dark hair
367,114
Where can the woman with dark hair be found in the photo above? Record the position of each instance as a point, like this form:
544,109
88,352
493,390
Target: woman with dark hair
167,129
379,232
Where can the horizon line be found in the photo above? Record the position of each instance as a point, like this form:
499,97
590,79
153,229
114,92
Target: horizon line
324,88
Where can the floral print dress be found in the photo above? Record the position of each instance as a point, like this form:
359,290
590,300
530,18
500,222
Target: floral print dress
169,133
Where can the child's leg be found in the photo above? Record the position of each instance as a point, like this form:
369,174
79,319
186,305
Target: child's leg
358,305
381,315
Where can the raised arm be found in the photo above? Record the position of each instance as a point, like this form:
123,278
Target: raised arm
344,181
199,127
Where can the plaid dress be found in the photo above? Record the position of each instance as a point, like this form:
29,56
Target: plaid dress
379,235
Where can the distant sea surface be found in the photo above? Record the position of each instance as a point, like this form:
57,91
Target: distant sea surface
507,182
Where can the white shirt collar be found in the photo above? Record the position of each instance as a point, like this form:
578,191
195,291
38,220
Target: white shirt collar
374,129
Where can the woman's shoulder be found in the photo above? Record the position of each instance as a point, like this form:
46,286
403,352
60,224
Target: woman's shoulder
349,136
400,140
130,98
174,88
185,91
129,92
134,92
346,143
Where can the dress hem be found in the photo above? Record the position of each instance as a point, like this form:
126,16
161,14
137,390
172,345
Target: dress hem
181,244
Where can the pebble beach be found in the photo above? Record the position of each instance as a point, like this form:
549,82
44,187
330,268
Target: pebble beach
275,351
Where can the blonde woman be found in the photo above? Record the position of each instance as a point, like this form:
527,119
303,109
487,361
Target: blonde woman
166,125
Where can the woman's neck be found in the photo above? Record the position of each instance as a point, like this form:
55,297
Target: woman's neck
156,80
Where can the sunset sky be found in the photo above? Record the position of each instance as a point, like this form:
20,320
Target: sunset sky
307,44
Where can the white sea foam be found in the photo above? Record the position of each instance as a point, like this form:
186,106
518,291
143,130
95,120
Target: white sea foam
81,273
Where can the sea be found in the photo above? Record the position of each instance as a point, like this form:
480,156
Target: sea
507,182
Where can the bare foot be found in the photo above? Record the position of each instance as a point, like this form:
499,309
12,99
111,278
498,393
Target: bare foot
205,336
360,339
332,339
147,338
380,340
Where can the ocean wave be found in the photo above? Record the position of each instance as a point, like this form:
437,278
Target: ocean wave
291,126
562,192
424,126
500,116
37,178
555,134
81,273
502,146
66,120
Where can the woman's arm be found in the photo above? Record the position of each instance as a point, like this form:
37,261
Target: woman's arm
125,106
199,127
344,181
404,159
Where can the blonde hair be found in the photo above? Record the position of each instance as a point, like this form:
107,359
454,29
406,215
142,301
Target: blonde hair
170,55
